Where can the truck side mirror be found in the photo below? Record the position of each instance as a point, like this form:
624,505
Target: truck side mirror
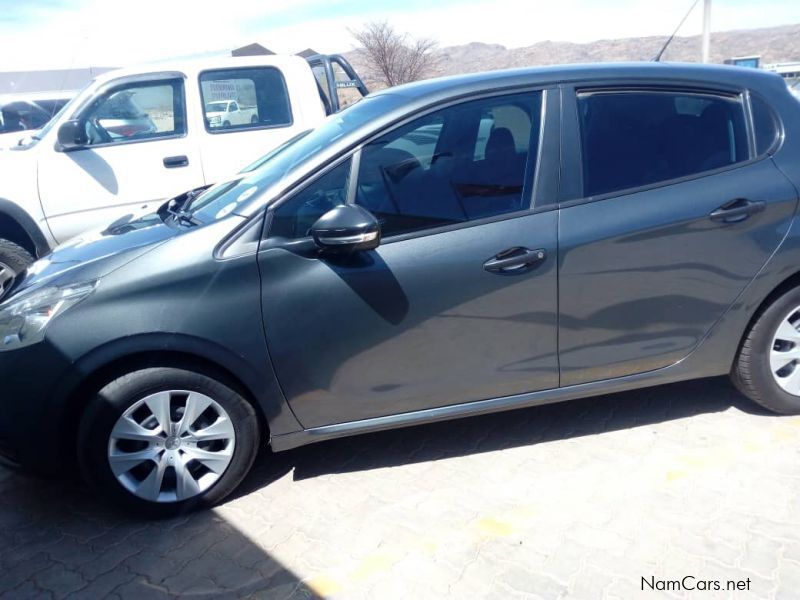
72,135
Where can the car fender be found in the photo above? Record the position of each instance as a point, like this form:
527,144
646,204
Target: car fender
157,349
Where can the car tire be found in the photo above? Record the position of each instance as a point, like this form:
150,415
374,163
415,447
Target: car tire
226,124
766,361
153,470
13,259
254,120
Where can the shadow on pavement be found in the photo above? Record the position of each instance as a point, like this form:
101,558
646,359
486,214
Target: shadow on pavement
58,540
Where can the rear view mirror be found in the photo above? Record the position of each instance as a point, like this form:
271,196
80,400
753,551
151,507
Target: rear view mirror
72,135
346,228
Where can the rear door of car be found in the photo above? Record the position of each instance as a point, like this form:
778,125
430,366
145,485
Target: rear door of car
669,208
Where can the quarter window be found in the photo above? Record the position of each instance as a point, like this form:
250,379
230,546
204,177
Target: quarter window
246,98
636,138
766,128
461,163
294,218
137,111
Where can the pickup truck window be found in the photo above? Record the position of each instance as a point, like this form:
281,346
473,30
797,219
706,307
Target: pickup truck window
643,137
137,111
247,98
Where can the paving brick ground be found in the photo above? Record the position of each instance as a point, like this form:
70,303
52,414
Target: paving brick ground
577,500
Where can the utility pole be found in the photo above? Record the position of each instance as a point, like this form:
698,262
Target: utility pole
706,31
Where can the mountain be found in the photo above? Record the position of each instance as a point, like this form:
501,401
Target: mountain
773,44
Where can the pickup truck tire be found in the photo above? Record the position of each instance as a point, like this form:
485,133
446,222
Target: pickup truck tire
226,124
13,259
254,119
767,366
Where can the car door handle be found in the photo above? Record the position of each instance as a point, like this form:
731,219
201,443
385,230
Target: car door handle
173,162
515,260
737,210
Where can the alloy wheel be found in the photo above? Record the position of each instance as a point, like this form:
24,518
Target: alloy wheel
171,446
784,357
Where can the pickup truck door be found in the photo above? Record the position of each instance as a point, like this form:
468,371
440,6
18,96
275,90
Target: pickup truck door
677,212
267,105
139,153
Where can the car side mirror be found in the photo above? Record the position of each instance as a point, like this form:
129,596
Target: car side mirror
346,228
72,135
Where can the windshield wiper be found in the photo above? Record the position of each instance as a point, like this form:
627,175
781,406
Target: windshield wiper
184,217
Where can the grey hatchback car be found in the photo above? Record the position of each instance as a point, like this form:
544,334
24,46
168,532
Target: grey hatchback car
442,249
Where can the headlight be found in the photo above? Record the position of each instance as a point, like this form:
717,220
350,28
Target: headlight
23,319
215,120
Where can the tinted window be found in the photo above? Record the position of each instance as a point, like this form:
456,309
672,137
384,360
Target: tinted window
257,97
766,128
294,218
632,139
458,164
137,111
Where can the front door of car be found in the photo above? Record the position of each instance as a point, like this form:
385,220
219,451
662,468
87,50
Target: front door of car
138,154
433,316
679,209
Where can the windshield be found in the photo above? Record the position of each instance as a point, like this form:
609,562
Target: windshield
216,106
228,197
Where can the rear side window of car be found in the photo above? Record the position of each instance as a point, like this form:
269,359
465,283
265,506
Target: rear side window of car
247,98
461,163
637,138
764,124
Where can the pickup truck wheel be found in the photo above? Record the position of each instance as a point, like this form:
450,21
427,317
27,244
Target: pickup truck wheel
254,119
767,366
167,440
226,124
13,259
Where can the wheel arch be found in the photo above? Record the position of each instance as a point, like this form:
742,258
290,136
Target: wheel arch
788,283
106,363
19,227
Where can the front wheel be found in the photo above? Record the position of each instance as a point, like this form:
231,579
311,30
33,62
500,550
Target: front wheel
167,440
767,367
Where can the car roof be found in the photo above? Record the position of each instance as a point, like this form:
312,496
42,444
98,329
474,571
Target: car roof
652,72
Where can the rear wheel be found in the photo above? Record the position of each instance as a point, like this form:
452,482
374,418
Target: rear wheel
767,367
167,440
13,260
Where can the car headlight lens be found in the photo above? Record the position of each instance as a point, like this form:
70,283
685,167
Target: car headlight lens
23,319
215,120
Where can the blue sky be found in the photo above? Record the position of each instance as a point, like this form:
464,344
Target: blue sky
61,33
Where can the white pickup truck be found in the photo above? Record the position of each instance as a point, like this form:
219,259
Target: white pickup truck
134,137
229,113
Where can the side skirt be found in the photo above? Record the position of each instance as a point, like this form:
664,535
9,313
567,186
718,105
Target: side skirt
670,374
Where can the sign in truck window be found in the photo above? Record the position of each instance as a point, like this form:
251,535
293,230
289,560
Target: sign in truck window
247,98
